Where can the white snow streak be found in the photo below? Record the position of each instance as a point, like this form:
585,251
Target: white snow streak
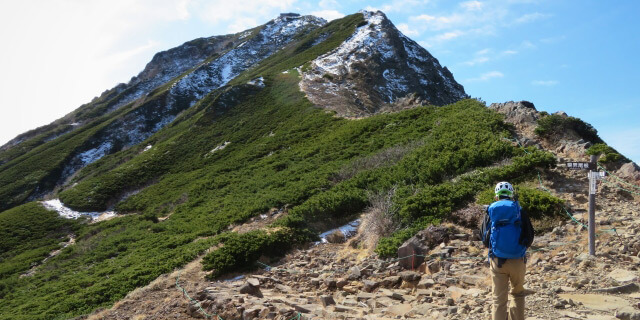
69,213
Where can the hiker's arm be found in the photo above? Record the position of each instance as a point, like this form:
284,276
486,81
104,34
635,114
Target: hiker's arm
485,231
528,233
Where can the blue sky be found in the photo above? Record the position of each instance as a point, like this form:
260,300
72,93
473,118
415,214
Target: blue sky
576,56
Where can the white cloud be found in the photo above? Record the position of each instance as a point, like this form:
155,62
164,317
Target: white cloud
476,61
487,76
483,51
471,5
404,6
545,83
526,44
531,17
553,39
509,52
328,14
407,31
328,4
447,36
219,11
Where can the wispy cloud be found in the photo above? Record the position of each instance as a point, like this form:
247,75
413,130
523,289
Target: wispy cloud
406,30
471,19
485,55
553,39
526,44
544,83
329,4
487,76
448,35
406,6
471,5
476,61
242,14
328,14
531,17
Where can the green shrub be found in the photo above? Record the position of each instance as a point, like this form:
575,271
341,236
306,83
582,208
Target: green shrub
607,154
555,125
241,251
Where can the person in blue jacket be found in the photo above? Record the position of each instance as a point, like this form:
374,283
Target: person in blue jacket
507,232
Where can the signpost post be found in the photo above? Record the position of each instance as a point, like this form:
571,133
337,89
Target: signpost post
594,176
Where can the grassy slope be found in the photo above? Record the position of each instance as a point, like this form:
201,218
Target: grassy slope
283,151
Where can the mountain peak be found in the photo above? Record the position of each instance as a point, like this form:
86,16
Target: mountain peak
376,67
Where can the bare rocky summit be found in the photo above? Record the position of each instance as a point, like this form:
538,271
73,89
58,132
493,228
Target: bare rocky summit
374,68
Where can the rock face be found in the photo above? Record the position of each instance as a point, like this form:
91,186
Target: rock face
375,67
630,171
420,244
519,113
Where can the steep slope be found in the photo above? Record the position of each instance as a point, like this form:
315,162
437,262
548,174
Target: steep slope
376,67
163,67
142,108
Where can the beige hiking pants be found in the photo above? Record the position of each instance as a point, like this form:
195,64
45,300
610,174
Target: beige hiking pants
512,270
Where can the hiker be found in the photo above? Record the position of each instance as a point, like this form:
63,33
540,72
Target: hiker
507,232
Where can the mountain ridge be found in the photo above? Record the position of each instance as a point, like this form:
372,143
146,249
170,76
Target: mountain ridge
254,153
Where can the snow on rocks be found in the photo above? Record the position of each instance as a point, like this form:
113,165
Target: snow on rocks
258,82
96,153
377,65
217,73
219,147
69,213
346,231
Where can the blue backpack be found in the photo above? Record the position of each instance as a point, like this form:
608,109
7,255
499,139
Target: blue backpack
505,229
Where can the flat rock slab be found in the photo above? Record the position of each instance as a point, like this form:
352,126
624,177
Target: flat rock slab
597,301
622,275
400,309
598,317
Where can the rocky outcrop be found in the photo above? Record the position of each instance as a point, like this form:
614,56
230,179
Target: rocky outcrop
420,244
630,171
376,67
521,113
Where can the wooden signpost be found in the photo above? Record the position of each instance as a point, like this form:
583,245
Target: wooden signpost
594,176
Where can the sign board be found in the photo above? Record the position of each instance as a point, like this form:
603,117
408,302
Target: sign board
579,165
594,176
593,182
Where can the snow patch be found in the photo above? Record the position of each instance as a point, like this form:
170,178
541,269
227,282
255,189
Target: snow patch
94,154
147,148
220,147
259,82
348,230
69,213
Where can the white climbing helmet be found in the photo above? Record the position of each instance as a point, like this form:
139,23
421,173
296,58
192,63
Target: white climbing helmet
504,189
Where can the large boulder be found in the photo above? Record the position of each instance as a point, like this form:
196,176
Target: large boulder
518,113
411,253
630,171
